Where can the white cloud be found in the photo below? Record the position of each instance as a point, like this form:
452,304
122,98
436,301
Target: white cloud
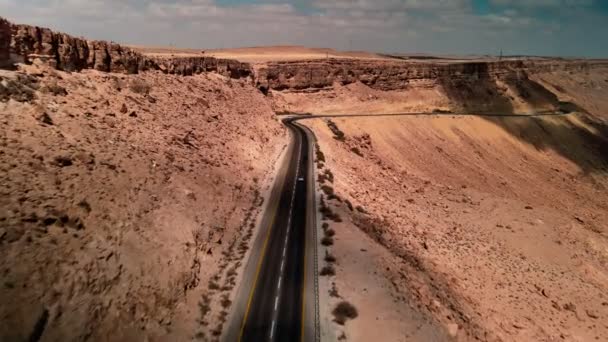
445,26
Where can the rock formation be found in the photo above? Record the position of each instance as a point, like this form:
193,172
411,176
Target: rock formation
5,43
28,43
395,75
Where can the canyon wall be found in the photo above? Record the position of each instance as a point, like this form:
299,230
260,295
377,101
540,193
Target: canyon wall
396,75
69,53
5,42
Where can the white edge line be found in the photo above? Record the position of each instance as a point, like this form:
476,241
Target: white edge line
272,329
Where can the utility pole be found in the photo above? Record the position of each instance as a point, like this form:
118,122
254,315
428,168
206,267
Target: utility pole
500,58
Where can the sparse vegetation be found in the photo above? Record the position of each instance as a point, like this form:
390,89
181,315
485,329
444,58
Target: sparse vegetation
343,312
213,285
203,306
327,189
338,134
330,233
140,86
327,241
320,156
225,302
328,214
54,88
360,209
349,204
329,257
333,292
328,270
356,151
328,175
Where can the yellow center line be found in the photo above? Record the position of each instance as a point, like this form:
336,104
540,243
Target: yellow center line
257,272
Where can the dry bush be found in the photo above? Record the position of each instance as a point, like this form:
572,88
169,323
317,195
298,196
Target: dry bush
356,151
327,241
140,86
54,88
361,210
343,312
349,205
329,257
333,292
328,270
213,285
327,189
330,233
338,134
320,155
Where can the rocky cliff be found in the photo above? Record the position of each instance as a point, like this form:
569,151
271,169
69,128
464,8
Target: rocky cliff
395,75
5,42
65,52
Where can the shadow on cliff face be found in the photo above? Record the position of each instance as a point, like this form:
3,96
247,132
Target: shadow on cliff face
578,137
476,92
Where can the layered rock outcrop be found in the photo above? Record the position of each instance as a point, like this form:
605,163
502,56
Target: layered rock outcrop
395,75
196,65
69,53
5,43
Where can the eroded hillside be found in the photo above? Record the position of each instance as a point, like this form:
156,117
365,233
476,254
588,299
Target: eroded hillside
493,226
132,182
127,200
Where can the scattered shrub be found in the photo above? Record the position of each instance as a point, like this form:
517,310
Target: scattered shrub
225,302
343,312
333,292
54,88
330,233
213,285
328,271
327,241
361,210
328,175
320,155
204,306
334,197
349,205
338,134
356,151
325,225
140,86
329,257
327,189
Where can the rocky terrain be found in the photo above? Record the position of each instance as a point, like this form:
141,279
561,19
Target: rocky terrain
74,54
132,181
492,228
128,200
396,75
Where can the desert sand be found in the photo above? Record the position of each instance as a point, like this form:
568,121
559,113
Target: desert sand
131,188
499,224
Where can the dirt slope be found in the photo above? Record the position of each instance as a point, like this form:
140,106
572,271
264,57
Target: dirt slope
123,197
499,225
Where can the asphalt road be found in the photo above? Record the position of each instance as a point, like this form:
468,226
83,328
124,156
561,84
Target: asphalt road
274,300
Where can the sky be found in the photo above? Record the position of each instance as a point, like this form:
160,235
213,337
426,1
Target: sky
573,28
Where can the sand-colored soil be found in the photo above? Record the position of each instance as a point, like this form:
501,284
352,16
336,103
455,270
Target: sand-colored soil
499,224
261,54
124,201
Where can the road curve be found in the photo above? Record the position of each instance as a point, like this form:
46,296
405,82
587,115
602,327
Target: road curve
277,299
274,303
